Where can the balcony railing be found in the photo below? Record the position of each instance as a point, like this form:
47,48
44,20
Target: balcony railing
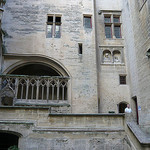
36,88
2,3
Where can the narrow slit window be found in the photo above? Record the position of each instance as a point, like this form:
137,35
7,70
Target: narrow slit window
87,22
80,48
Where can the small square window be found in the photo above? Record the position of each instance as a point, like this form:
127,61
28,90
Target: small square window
58,20
122,79
50,19
87,22
116,19
107,19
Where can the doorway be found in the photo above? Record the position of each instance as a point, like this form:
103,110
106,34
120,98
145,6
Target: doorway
7,140
122,107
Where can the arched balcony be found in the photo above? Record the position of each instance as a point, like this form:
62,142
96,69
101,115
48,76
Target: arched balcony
34,83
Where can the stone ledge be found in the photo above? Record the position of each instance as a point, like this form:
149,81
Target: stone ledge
40,105
142,137
16,122
77,130
101,114
23,107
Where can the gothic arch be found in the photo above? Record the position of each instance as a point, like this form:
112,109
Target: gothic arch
39,60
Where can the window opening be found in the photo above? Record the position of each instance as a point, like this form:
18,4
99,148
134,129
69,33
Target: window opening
53,26
108,31
123,79
116,20
117,31
112,26
107,19
87,22
80,48
122,107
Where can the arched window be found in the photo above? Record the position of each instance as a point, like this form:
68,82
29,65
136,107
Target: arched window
35,83
121,107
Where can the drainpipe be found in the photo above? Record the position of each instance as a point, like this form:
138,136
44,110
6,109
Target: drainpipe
1,53
97,58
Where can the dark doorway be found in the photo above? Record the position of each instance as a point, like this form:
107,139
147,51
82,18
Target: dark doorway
122,107
7,140
136,106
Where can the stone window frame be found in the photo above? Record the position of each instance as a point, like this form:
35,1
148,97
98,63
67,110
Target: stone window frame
112,15
53,24
112,49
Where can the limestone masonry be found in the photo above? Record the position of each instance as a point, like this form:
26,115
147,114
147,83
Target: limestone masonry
69,68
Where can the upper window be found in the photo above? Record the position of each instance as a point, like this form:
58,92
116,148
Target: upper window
87,22
53,26
112,26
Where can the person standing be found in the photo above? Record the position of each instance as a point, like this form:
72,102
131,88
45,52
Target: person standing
128,109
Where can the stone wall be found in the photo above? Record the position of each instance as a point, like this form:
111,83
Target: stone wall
25,24
43,131
137,41
111,93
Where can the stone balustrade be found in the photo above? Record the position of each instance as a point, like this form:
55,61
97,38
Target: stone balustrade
34,89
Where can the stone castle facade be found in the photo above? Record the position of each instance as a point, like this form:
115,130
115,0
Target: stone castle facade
69,69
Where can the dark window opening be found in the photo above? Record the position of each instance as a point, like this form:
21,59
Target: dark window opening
58,20
35,70
50,19
87,22
108,32
122,79
122,107
8,140
80,48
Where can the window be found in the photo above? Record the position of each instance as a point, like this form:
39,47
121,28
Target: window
117,31
108,31
112,26
53,26
87,22
122,79
80,48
